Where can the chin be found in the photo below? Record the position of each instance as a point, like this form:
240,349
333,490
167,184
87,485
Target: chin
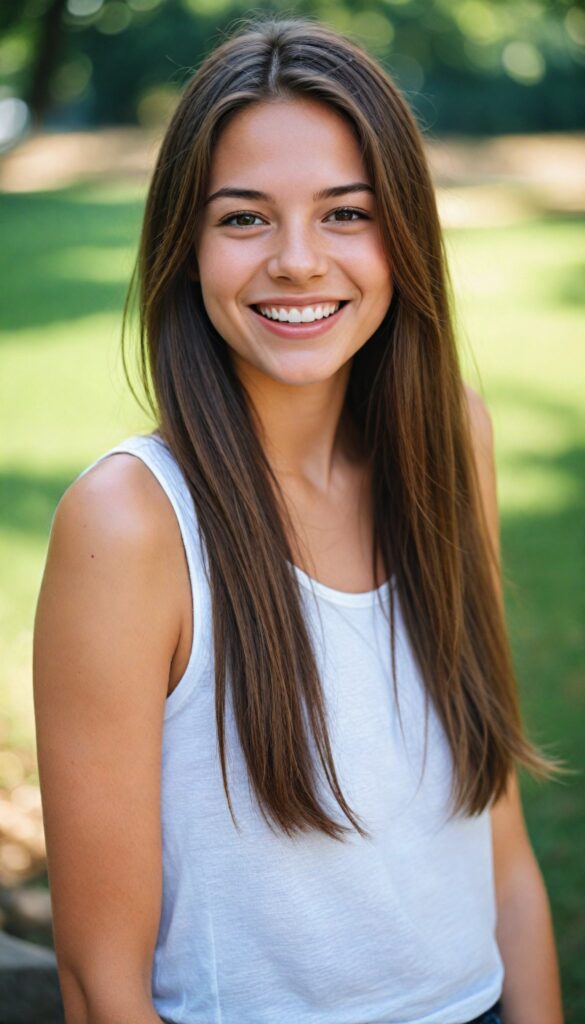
302,371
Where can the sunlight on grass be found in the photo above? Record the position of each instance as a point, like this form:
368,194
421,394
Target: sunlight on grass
75,400
83,263
111,193
532,488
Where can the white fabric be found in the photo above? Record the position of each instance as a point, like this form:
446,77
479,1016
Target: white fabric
257,928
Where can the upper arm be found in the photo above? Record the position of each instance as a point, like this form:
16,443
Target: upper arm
511,844
103,642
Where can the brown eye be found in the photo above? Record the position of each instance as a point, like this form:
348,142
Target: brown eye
238,217
353,214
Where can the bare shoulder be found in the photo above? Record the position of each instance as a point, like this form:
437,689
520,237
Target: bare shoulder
115,547
118,502
115,536
116,560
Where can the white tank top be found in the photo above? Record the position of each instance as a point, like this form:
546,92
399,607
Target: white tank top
258,928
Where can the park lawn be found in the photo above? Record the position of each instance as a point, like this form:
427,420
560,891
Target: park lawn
66,258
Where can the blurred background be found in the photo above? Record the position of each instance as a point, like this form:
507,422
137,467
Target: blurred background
498,88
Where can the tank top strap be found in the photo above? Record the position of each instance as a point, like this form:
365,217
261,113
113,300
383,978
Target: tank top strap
158,458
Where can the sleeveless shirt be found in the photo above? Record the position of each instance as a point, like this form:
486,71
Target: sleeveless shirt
260,928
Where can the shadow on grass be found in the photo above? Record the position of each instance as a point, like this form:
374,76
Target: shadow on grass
571,288
28,501
37,292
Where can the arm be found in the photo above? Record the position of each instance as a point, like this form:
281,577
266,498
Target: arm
532,993
103,643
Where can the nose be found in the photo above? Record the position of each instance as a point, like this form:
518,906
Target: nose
298,256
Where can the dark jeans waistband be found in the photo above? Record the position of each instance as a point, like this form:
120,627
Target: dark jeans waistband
491,1016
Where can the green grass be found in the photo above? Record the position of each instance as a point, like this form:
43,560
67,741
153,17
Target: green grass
66,259
65,262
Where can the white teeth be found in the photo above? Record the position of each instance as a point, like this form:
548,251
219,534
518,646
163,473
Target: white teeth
296,315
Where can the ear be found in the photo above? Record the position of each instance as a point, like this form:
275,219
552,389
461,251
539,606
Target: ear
192,271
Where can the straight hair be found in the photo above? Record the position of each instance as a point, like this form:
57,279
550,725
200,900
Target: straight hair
407,401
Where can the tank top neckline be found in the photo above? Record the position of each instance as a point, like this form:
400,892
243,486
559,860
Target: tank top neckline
343,597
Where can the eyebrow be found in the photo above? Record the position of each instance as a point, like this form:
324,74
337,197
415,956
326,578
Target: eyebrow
251,193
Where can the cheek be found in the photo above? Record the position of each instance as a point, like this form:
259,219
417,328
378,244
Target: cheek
223,268
378,257
221,277
367,263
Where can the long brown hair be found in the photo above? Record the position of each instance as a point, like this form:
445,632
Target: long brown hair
406,397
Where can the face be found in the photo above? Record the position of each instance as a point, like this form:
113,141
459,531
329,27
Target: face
288,243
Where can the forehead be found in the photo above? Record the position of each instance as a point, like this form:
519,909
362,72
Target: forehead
286,142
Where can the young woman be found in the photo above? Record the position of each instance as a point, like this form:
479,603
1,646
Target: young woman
278,728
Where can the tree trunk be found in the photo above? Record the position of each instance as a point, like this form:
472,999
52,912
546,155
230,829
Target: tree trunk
48,47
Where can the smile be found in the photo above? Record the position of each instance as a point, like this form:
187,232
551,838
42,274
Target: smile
299,321
299,314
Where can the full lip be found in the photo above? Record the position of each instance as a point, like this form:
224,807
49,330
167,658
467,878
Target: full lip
300,330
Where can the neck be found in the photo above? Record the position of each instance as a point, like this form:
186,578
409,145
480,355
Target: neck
304,429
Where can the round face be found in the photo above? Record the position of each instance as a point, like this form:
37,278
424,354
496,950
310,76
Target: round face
290,259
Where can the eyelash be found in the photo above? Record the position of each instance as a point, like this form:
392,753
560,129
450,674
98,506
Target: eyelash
245,213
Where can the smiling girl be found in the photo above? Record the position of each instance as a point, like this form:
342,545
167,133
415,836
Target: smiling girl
278,727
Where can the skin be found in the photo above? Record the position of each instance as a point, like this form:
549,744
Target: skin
108,650
293,247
